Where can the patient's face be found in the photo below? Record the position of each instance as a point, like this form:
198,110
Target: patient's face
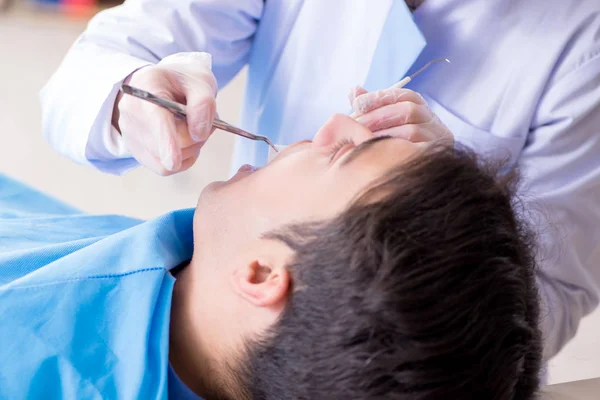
307,181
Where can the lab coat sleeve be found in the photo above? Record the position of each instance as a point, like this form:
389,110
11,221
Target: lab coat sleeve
78,100
561,167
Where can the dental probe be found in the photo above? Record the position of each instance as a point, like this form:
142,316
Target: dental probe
406,80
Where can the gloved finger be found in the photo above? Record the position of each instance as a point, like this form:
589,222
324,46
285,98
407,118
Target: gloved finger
188,163
183,136
201,108
178,90
191,151
165,144
372,100
396,114
148,160
198,87
199,98
146,127
153,163
355,92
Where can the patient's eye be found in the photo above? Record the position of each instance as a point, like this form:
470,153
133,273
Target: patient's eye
338,146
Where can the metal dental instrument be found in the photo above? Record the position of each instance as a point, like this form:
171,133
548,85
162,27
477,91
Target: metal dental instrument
405,81
179,111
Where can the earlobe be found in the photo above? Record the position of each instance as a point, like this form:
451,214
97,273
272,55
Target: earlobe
261,284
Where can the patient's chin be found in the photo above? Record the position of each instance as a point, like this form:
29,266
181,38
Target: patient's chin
242,173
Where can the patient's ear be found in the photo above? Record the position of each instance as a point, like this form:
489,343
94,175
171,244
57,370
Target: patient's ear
263,280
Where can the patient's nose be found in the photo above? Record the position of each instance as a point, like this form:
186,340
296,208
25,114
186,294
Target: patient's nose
341,127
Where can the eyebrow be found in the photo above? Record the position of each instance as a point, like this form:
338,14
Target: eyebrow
361,148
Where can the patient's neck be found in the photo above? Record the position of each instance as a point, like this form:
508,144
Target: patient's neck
187,354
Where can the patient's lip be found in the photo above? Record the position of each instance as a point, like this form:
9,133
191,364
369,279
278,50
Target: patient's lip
244,171
247,168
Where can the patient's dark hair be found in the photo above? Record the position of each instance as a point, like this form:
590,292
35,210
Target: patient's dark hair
423,288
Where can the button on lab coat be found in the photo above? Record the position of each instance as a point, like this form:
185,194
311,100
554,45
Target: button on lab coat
524,85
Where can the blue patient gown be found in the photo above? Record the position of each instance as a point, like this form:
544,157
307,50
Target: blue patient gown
85,299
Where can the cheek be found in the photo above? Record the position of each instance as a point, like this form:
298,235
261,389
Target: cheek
217,211
322,197
241,210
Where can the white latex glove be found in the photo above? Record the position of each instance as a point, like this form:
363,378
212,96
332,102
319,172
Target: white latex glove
399,113
154,136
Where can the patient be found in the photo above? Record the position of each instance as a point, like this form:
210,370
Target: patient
351,267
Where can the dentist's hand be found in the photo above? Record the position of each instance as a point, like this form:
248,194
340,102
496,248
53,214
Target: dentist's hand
154,136
399,113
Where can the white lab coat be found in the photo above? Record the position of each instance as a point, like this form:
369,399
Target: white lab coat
524,84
